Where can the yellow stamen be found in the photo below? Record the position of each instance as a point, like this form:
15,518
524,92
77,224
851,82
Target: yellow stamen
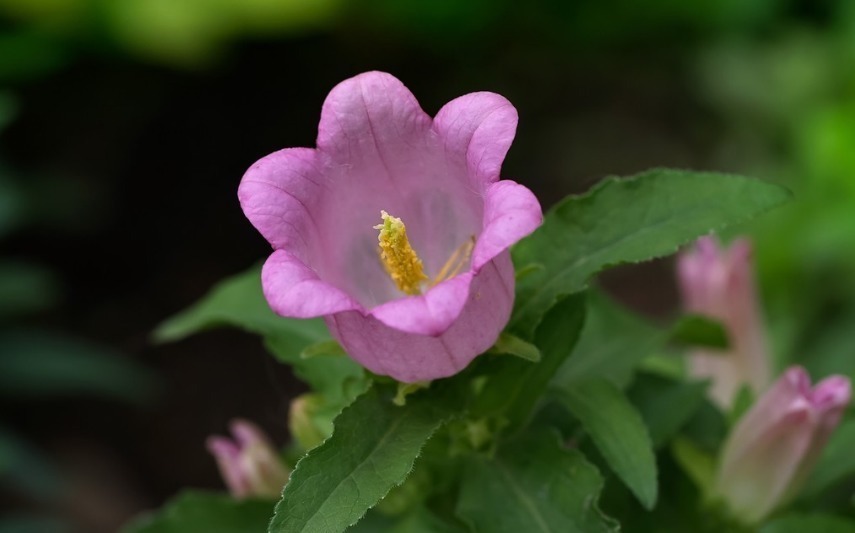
457,262
400,260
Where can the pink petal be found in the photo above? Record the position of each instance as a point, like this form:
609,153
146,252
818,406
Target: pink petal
227,455
294,290
372,121
511,212
410,357
278,195
431,313
477,129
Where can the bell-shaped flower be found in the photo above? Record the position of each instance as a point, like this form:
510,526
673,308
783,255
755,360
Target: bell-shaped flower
775,445
396,228
719,283
248,463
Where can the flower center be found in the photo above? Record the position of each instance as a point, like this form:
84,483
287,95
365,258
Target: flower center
402,263
400,260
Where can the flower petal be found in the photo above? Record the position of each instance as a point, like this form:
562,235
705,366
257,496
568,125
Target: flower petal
511,212
477,130
292,289
278,194
372,120
411,357
431,313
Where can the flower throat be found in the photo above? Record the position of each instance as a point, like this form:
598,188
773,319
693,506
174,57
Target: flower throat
402,263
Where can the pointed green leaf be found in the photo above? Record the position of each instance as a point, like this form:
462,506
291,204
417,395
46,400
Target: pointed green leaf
239,302
613,342
533,485
516,386
628,220
204,512
372,449
665,405
618,432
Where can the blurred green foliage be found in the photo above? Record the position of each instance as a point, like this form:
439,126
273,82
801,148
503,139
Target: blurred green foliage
772,80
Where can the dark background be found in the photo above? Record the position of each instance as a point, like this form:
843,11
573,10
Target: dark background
128,131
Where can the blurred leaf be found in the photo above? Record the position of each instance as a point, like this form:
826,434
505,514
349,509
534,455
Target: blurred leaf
25,288
517,385
532,484
665,404
238,301
204,512
24,470
700,331
836,463
29,54
829,350
512,345
323,349
617,430
8,109
372,449
614,340
12,204
33,524
707,427
698,464
628,220
418,520
805,523
36,363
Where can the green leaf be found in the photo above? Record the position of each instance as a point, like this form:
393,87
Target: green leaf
700,331
628,220
665,404
339,379
204,512
26,470
39,363
513,345
517,385
25,287
238,301
696,463
372,449
836,463
803,523
419,520
618,432
613,342
533,485
323,348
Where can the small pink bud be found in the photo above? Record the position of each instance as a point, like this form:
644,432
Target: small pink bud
775,445
249,463
719,283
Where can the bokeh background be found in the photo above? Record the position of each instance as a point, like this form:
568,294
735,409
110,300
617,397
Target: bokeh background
125,126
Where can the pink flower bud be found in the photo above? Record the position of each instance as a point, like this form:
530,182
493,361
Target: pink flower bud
775,445
718,282
249,464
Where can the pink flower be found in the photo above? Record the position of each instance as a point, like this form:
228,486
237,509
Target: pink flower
249,464
719,283
441,290
775,445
